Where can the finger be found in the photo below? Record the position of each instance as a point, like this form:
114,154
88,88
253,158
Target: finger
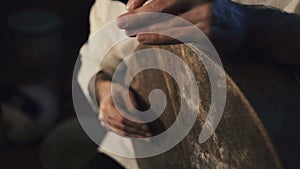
123,121
200,13
140,17
185,34
100,115
133,4
112,114
123,133
155,6
201,16
139,20
156,23
105,125
126,105
165,6
129,101
124,129
103,120
150,22
127,129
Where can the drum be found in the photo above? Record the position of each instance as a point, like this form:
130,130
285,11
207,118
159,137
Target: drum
35,36
239,141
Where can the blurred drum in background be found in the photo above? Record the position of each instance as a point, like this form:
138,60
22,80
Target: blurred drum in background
67,147
36,38
27,113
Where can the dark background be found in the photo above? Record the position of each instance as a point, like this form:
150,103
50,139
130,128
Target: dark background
13,72
75,29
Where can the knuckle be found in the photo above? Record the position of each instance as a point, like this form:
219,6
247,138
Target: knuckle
109,109
102,106
100,116
123,121
102,111
122,133
109,106
122,127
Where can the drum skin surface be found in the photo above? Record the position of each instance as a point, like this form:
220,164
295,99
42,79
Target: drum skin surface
240,140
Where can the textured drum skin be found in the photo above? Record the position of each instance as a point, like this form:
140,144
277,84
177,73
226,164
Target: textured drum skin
240,141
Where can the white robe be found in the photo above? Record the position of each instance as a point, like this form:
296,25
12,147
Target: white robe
105,11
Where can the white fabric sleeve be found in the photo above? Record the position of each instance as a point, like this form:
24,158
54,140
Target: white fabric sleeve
103,12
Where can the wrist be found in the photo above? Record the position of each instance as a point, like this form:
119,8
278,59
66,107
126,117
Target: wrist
102,86
103,89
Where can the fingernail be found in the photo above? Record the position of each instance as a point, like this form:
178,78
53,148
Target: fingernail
122,22
142,37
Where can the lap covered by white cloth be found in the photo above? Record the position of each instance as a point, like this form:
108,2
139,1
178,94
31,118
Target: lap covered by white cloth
106,11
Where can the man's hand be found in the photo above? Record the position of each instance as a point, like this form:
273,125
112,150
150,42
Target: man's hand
199,13
111,118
